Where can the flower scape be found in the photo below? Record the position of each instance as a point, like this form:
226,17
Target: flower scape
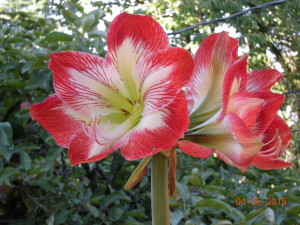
133,100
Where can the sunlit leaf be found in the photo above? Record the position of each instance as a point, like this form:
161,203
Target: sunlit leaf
257,215
58,36
87,22
215,204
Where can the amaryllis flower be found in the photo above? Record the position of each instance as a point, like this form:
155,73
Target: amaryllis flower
232,112
131,99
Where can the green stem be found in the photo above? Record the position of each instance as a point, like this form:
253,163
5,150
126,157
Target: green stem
160,190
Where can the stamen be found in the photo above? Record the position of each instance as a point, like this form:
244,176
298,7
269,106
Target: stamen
281,151
270,151
127,124
274,150
96,122
86,130
275,136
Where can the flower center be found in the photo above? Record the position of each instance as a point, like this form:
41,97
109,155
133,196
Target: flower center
106,129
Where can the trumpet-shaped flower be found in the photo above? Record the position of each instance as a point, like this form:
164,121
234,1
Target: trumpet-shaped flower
232,112
132,99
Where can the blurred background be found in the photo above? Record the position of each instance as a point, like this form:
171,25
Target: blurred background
37,183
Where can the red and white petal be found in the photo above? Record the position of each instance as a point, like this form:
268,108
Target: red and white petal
228,161
85,149
247,107
262,80
269,163
134,36
214,56
130,39
234,81
230,137
190,100
158,131
195,150
277,138
86,83
57,119
249,143
162,77
272,103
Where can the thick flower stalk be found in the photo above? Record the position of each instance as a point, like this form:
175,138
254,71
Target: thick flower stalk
132,99
232,112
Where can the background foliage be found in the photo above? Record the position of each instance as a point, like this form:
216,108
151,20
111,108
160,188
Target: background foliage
37,183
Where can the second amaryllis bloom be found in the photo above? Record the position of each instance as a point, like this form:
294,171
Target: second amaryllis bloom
131,100
232,112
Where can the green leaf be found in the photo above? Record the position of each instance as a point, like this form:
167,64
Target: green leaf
189,222
87,22
183,190
30,205
277,189
93,210
136,213
213,188
5,133
38,80
98,13
195,180
293,210
8,66
47,184
213,203
222,222
238,216
25,161
6,151
263,193
6,140
14,83
257,215
69,15
57,36
133,223
50,220
26,66
251,174
293,189
38,64
53,153
115,213
8,172
176,217
51,156
115,196
98,33
15,40
292,198
61,216
27,147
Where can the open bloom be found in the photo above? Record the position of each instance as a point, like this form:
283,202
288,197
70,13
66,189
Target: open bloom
232,112
130,100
